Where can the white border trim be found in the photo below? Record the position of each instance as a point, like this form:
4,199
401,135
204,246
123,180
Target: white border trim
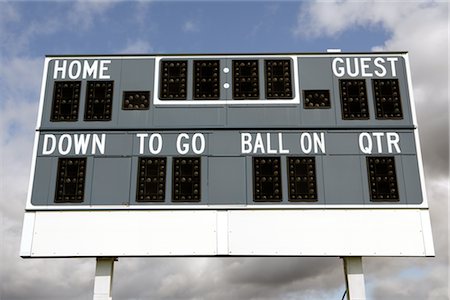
159,102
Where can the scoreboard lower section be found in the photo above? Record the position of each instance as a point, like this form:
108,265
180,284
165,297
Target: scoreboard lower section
267,232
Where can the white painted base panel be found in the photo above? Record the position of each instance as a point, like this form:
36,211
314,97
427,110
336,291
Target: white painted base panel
352,232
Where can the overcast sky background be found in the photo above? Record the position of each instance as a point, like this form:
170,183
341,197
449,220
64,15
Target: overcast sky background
30,30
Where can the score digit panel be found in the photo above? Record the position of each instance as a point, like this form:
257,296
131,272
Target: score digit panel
214,140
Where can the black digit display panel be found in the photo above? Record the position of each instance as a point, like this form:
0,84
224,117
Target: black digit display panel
354,99
206,79
66,101
245,79
151,183
70,180
267,179
278,79
388,102
302,179
173,78
382,178
99,97
186,179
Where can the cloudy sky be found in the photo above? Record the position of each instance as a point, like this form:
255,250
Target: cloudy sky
30,30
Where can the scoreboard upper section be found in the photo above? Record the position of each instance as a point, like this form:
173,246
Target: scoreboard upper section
321,91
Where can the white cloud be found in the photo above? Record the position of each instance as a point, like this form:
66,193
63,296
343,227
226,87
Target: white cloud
191,26
84,14
137,47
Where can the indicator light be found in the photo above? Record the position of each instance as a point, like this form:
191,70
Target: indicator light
70,180
267,179
136,100
173,78
206,79
316,99
388,102
354,99
245,79
99,97
66,101
278,79
151,182
186,179
302,179
382,179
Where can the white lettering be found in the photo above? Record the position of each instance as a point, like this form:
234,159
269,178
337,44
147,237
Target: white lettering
259,144
185,146
392,140
61,144
90,70
365,143
141,137
195,138
338,71
269,150
306,142
364,66
73,75
151,143
104,69
349,67
378,136
392,60
45,149
81,143
99,144
59,68
246,143
319,142
280,144
379,63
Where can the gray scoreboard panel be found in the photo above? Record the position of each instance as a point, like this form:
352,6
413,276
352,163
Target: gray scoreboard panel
332,167
175,155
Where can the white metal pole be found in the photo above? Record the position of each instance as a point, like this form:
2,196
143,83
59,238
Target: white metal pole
103,278
354,278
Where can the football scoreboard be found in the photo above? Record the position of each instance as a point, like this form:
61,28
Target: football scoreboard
227,154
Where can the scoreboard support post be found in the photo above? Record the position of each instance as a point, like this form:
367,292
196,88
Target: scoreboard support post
354,278
104,270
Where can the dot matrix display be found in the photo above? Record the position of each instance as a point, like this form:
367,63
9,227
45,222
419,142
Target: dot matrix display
267,179
245,79
99,97
382,178
66,101
136,100
206,79
70,180
387,99
173,80
354,99
151,183
302,179
278,79
186,179
316,99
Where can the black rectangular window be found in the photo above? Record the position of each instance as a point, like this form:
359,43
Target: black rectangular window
206,79
388,103
302,179
278,79
267,179
151,183
70,180
99,97
173,78
245,79
136,100
316,99
354,99
382,178
186,179
66,101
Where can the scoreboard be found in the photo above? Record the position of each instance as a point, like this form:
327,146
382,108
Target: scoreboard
233,154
